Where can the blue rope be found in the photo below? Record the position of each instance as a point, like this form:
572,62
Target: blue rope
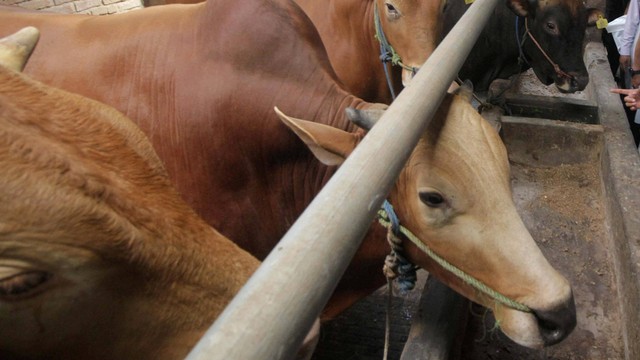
387,76
404,269
385,49
387,53
395,222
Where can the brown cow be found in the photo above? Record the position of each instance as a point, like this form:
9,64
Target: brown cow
412,28
100,258
201,81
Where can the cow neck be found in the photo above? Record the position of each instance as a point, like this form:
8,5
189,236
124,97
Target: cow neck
365,57
206,267
333,112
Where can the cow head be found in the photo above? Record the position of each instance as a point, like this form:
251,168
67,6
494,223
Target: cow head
99,256
559,28
454,194
412,28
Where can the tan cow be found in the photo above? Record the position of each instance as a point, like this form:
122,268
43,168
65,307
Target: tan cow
99,256
454,193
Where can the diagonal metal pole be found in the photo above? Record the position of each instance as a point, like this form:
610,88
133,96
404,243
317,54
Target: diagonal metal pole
271,315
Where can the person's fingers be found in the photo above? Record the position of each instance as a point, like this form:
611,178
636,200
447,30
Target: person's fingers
623,91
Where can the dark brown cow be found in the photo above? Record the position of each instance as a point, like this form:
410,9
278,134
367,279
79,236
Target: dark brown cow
202,80
100,258
557,25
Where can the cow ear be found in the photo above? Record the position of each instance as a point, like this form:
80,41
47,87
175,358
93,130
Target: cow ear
329,145
15,49
521,7
593,15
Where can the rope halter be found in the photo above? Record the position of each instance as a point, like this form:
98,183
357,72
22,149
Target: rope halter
559,72
386,217
387,52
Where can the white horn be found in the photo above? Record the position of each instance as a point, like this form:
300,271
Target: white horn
15,49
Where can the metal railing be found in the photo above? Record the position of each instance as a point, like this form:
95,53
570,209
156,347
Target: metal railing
272,313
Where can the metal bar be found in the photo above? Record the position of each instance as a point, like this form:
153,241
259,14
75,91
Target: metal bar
271,315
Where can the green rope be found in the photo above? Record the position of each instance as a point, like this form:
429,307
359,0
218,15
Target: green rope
383,219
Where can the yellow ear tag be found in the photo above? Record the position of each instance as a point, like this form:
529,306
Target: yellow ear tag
468,1
602,22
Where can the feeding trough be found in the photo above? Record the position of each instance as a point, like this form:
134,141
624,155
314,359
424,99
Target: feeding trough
576,183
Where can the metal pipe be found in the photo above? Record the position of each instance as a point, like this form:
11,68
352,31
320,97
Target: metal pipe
272,313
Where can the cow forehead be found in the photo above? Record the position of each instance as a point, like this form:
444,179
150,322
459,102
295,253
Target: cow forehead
463,145
573,6
44,195
64,163
434,7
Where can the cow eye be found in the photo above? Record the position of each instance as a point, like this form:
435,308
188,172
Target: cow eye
552,27
392,12
22,284
432,199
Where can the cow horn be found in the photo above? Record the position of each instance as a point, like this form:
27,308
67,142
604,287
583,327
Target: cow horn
465,90
15,49
366,118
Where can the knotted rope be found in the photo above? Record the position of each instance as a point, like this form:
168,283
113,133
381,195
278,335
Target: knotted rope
396,265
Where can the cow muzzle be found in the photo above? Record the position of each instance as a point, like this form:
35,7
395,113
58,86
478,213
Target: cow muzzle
541,327
572,83
557,323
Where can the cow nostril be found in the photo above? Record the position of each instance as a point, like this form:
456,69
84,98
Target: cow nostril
550,332
557,323
579,82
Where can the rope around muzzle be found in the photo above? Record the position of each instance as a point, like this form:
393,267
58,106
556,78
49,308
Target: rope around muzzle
386,220
559,72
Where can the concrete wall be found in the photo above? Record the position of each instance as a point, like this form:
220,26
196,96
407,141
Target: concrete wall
93,7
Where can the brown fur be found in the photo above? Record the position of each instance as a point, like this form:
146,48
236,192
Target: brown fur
81,185
348,32
202,81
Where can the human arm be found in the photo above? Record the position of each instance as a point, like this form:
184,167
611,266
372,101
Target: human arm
630,28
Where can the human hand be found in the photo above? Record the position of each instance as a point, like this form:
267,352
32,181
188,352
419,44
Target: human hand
631,97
